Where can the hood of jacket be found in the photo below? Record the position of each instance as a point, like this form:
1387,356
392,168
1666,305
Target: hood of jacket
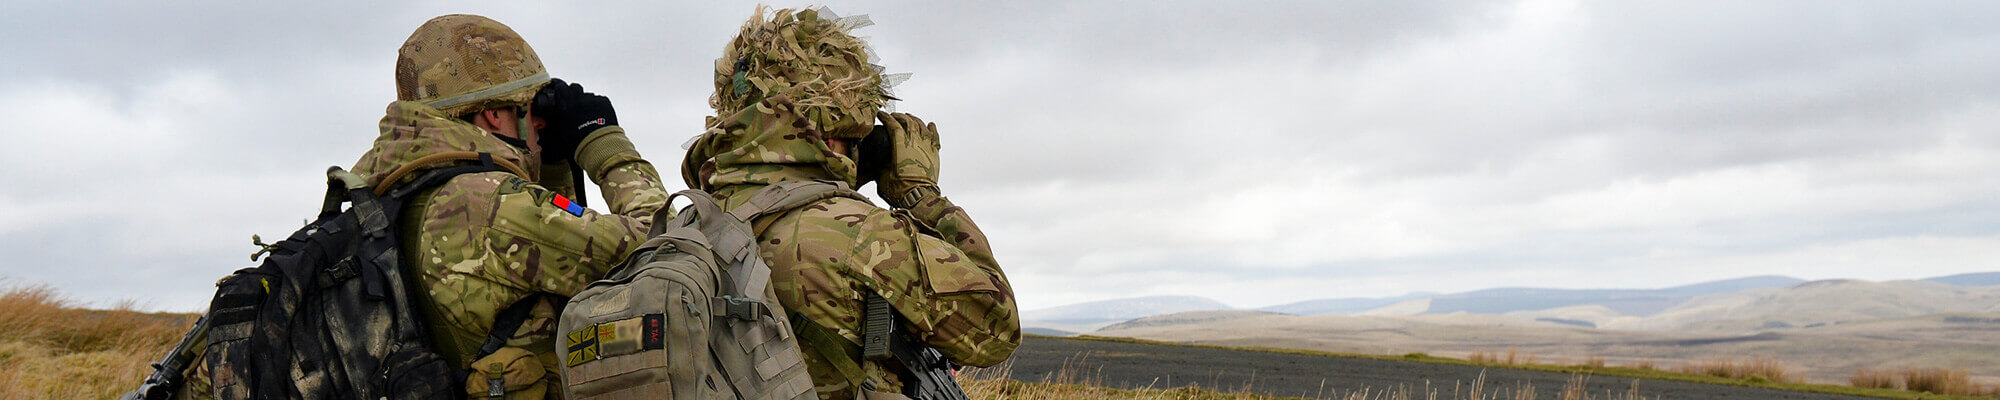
412,130
766,143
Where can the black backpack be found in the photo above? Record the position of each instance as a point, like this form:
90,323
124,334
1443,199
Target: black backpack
328,315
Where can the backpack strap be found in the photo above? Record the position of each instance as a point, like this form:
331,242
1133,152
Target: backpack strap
506,323
730,231
786,195
426,161
504,326
438,176
772,200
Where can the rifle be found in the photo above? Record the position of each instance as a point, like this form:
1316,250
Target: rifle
166,377
935,377
927,374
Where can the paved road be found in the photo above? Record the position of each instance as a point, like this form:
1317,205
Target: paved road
1131,365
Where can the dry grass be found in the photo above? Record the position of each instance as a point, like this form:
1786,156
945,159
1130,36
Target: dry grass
1757,369
1940,381
1513,357
1075,381
1877,379
51,348
1943,381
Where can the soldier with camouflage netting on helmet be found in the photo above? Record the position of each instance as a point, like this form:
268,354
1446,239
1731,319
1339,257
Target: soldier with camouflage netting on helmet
488,244
795,94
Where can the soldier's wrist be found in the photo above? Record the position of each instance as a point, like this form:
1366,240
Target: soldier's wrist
913,197
601,148
932,210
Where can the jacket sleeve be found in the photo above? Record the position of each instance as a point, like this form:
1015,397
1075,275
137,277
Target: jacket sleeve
544,243
628,182
950,292
983,326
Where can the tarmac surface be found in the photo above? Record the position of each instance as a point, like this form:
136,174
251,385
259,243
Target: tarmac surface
1133,365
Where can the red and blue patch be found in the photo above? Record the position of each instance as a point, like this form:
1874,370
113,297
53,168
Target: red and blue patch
567,206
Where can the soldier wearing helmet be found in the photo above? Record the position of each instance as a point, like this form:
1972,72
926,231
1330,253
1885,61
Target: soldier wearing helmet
794,96
490,241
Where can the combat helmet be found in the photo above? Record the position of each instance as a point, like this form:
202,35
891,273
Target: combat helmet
810,56
462,63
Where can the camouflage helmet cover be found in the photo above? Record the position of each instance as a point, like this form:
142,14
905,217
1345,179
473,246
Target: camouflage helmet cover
809,56
463,63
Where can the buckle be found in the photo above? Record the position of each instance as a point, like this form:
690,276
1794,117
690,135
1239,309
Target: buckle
742,308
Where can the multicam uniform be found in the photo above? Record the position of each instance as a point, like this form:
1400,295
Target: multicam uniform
484,241
929,260
783,87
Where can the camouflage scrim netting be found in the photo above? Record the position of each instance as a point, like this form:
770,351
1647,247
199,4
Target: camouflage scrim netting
810,56
462,63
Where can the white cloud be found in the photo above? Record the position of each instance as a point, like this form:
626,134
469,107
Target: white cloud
1253,153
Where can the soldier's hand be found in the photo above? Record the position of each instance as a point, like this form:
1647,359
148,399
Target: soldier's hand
912,175
571,113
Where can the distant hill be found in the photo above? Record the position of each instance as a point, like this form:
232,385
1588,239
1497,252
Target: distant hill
1820,303
1190,318
1123,309
1047,332
1086,317
1633,302
1347,305
1736,285
1972,279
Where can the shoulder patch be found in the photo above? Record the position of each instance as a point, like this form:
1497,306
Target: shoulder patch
567,206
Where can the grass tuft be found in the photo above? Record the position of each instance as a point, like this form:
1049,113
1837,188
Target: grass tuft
1869,378
1940,381
1951,382
1512,357
1755,370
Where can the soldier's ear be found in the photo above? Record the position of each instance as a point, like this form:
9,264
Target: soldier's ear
488,119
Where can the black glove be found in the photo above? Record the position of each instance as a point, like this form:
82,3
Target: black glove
571,114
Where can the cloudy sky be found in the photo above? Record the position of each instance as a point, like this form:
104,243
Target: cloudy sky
1256,153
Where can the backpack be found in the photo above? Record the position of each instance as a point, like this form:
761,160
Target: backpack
328,314
691,314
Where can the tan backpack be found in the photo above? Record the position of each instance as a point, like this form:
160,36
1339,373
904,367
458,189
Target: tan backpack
691,315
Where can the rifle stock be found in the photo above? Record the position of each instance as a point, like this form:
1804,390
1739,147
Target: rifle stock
928,374
934,375
166,375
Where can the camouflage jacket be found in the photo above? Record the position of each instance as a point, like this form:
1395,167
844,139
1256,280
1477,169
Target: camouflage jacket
483,241
931,262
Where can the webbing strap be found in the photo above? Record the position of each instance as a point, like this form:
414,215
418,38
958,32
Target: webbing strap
426,161
787,195
752,272
506,323
830,345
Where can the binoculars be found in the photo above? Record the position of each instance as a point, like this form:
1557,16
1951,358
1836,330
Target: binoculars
873,157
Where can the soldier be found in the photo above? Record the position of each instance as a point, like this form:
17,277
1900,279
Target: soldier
794,94
487,242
